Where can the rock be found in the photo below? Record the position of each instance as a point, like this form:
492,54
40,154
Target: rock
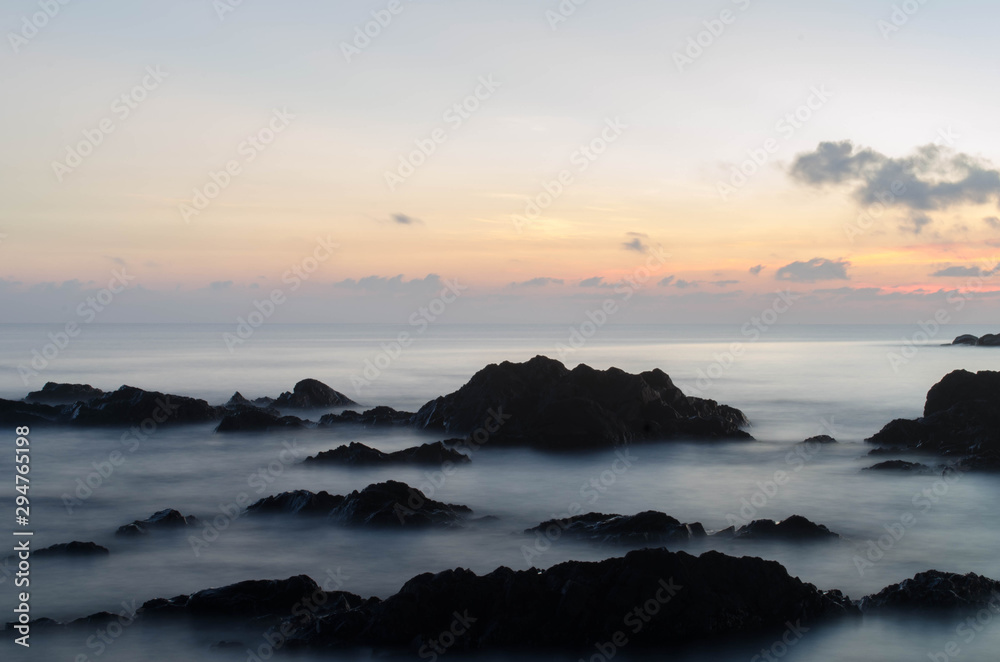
796,528
543,404
238,401
162,520
935,590
989,340
966,340
820,439
360,455
899,465
647,527
312,394
132,406
961,417
374,416
75,549
389,504
254,419
64,394
15,413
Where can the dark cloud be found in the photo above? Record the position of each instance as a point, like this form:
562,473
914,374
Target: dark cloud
667,281
596,281
393,284
964,272
636,244
814,270
933,177
403,219
685,284
916,223
756,270
538,282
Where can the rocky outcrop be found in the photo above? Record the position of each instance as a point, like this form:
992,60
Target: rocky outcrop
989,340
375,416
72,549
132,406
820,439
651,527
543,404
961,418
357,454
900,465
794,528
389,504
162,520
936,590
312,394
248,418
64,394
15,413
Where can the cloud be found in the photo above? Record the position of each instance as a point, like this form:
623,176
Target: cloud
117,260
538,282
220,285
915,223
667,281
814,270
685,284
933,177
403,219
724,283
993,222
756,270
963,272
596,281
394,284
636,244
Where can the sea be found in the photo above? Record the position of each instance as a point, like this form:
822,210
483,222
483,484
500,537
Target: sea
792,382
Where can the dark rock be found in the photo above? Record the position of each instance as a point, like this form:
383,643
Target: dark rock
961,417
820,439
541,403
389,504
647,527
374,416
360,455
989,340
64,394
15,413
163,520
899,465
75,548
935,590
238,401
254,419
966,340
795,528
131,406
577,604
312,394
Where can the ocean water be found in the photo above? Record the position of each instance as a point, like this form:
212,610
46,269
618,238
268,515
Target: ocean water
792,382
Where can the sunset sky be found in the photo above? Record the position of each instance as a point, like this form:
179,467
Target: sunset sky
847,107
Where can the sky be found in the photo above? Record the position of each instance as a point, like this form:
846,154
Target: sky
507,162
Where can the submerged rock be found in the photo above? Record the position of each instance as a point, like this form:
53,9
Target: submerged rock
820,439
647,527
899,465
64,394
357,454
936,590
312,394
75,549
542,403
388,504
794,528
961,417
164,519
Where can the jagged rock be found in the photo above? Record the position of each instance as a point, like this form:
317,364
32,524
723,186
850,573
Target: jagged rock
75,548
820,439
375,416
254,419
543,404
238,401
646,527
899,465
131,406
312,394
164,519
795,528
935,590
389,504
64,394
357,454
961,417
966,340
15,413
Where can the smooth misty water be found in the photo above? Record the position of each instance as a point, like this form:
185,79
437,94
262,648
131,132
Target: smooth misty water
793,383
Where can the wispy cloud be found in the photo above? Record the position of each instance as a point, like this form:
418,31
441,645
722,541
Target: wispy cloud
814,270
538,282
